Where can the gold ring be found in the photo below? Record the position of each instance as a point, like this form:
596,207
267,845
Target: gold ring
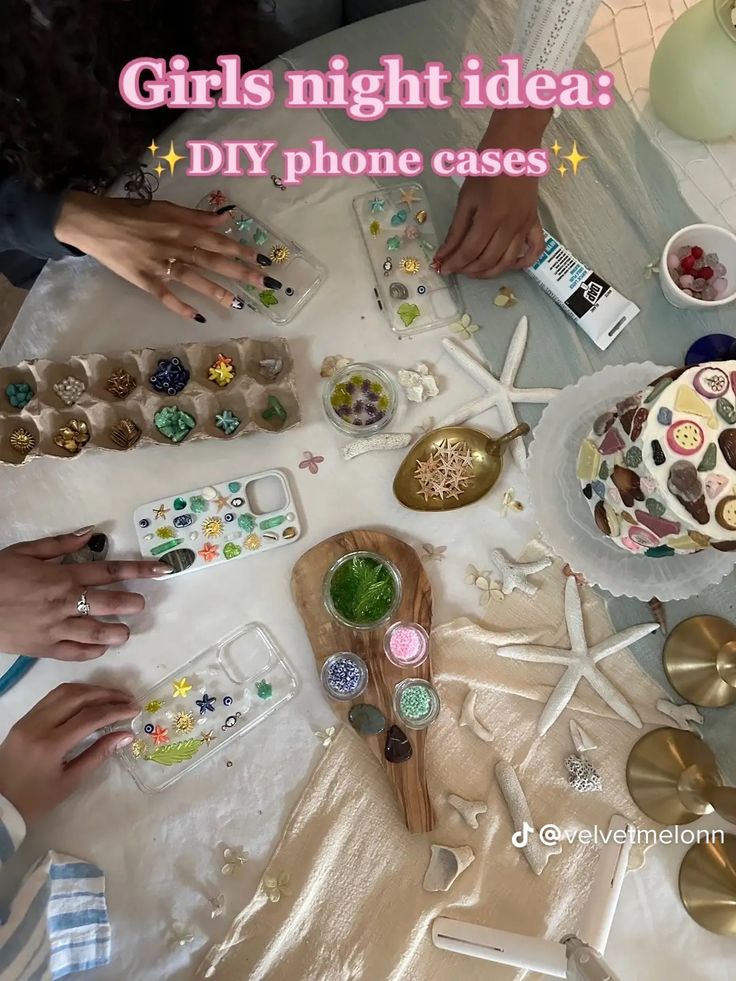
169,263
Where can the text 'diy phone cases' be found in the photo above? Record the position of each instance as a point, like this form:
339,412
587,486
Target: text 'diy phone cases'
399,234
300,273
218,695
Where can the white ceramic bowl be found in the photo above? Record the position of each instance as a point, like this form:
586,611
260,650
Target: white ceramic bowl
711,238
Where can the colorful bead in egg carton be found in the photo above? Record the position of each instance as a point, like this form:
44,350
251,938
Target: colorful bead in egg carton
658,468
170,376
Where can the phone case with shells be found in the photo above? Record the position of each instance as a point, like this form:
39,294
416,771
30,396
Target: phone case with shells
232,687
299,271
401,241
202,528
246,396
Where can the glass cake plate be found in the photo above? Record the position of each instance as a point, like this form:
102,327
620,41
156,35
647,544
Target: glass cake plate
563,513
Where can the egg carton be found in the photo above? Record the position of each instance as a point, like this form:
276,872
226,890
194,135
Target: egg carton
246,396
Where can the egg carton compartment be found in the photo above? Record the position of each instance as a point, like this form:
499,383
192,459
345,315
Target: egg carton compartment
299,271
246,396
21,376
19,439
219,695
72,422
401,240
111,377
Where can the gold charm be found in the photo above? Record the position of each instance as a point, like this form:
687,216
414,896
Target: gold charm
410,265
420,217
280,253
21,441
73,436
184,722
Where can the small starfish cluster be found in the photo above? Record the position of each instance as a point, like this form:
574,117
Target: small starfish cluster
447,472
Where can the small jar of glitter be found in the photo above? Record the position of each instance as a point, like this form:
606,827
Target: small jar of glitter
406,644
344,676
360,400
416,703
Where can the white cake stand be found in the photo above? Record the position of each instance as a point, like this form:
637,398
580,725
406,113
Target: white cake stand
563,513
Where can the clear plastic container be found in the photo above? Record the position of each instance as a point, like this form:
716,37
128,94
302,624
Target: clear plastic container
406,644
329,602
360,400
356,667
412,695
204,705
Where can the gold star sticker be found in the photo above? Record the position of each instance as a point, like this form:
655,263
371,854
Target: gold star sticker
575,157
158,170
161,511
562,169
207,737
153,148
181,688
556,148
409,197
221,502
172,158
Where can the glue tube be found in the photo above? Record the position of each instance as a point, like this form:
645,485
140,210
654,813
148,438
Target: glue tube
597,308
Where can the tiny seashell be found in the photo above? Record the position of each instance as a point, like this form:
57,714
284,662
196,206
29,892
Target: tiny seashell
334,363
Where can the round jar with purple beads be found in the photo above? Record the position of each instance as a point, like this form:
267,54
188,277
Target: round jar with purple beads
360,400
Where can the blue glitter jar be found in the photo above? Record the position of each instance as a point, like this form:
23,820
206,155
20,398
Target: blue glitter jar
344,676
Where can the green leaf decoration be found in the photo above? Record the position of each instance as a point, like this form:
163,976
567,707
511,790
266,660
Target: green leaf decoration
362,590
173,753
409,313
267,298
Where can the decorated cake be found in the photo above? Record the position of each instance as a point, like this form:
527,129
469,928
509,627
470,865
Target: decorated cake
658,469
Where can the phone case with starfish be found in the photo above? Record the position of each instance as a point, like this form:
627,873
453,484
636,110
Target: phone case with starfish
400,238
204,705
300,272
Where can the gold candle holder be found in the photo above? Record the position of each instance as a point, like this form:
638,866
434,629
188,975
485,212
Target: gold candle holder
700,661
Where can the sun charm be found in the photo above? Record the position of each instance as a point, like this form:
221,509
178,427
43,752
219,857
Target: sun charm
184,722
212,527
280,253
410,265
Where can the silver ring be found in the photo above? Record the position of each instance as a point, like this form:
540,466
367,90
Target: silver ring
83,607
169,263
195,250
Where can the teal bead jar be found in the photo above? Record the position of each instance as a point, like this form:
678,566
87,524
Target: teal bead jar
693,76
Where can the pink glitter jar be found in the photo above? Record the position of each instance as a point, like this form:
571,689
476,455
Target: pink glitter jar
406,644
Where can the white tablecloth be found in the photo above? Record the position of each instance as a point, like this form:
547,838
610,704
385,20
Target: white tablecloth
162,854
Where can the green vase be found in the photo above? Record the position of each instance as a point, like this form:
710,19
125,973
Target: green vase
693,77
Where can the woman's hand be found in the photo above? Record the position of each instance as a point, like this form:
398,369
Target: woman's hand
496,225
38,599
136,240
33,774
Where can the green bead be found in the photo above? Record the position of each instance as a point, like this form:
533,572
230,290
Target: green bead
246,523
166,546
198,504
231,550
415,703
272,522
604,472
274,409
233,487
264,690
179,503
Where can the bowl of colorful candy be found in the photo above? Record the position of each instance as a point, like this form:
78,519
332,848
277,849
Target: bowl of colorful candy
698,267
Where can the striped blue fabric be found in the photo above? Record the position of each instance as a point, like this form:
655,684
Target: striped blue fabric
58,923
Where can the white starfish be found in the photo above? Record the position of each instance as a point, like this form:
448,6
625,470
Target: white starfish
501,393
514,574
581,661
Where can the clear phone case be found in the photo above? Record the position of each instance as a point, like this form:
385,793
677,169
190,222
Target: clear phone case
399,234
207,703
299,271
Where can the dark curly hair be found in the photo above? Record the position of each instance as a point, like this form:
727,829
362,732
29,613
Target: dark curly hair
63,121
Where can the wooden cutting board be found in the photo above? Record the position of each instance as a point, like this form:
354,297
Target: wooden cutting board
327,637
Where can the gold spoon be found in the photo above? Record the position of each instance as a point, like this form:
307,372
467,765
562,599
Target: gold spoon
487,462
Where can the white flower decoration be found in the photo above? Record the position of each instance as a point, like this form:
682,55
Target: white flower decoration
464,327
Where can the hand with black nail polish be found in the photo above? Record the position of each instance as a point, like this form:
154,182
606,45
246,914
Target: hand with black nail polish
156,244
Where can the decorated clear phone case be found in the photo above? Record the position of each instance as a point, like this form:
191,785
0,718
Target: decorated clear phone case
299,271
201,528
220,694
399,234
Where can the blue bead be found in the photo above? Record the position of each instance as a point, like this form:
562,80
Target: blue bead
600,488
664,416
229,516
183,520
149,728
144,523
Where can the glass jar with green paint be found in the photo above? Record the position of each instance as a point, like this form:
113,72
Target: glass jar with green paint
362,590
416,703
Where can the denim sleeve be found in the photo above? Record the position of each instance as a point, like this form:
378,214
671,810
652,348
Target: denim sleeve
27,220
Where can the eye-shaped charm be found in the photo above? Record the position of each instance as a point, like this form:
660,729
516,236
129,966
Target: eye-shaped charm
149,727
229,516
421,290
227,700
